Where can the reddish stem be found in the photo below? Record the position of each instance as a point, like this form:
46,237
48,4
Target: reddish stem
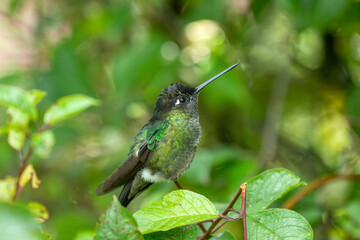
21,170
24,161
229,208
289,204
243,210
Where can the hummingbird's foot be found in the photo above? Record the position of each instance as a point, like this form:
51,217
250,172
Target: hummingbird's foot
178,184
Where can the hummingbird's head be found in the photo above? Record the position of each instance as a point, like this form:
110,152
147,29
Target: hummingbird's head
177,97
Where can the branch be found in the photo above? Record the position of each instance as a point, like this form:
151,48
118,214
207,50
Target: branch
229,208
270,135
289,204
24,161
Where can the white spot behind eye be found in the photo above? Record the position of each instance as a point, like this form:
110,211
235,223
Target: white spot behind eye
177,102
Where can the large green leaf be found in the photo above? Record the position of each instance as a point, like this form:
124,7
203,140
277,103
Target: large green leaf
267,187
178,208
179,233
278,224
117,223
11,96
67,107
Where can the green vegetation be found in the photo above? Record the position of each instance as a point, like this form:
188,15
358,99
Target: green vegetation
78,79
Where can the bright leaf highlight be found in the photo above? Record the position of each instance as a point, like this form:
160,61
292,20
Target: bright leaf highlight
178,208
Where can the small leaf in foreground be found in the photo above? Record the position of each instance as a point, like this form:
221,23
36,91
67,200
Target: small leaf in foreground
176,209
29,174
67,107
39,211
46,236
7,189
181,233
16,138
264,189
36,95
276,223
43,143
17,128
117,223
11,96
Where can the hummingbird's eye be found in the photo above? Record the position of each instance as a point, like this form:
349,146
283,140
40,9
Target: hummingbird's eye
180,100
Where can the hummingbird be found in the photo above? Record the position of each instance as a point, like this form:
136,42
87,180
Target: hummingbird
164,147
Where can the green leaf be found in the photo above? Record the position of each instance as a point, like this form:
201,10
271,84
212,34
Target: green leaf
267,187
223,236
36,95
43,143
46,236
7,189
17,128
16,138
117,223
84,235
17,223
67,107
19,120
179,233
178,208
39,211
4,129
11,96
276,223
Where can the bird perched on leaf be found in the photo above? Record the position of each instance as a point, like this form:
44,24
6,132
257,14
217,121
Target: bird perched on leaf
164,147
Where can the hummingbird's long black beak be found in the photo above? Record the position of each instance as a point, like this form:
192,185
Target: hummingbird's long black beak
201,86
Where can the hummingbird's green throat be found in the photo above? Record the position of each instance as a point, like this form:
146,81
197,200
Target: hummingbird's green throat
165,146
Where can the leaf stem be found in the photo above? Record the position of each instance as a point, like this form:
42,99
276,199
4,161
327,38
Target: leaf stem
289,204
229,208
44,128
24,161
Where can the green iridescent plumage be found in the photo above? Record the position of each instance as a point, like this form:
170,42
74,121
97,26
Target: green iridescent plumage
164,148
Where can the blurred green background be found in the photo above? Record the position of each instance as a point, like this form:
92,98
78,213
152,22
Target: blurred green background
293,102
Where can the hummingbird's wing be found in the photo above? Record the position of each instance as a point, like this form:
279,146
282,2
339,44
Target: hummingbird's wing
140,153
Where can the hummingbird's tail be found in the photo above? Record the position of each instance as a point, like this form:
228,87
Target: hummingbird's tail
126,195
